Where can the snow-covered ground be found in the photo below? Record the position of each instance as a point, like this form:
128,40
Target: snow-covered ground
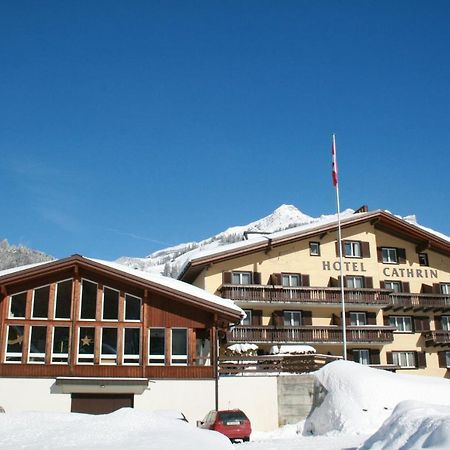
362,408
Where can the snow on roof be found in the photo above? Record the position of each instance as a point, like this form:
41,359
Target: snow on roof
292,349
20,268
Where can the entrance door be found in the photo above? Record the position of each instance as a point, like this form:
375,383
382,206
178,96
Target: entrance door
100,403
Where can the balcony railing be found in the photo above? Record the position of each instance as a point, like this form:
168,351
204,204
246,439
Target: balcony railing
420,301
437,337
315,295
310,334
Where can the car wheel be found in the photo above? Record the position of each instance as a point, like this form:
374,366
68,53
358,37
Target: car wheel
246,439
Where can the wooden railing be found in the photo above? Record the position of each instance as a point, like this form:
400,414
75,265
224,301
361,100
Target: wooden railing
310,334
265,293
431,301
437,337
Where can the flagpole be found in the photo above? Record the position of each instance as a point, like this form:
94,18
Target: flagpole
341,265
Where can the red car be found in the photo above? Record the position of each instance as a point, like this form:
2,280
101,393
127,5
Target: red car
233,423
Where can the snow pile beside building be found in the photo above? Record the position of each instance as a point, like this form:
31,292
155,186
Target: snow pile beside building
292,350
122,429
413,425
357,399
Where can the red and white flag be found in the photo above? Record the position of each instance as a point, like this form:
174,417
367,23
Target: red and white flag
334,172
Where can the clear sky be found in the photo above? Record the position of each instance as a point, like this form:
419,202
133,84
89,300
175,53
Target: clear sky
128,126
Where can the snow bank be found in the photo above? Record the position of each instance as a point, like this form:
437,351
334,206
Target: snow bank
300,349
123,429
358,398
243,348
413,425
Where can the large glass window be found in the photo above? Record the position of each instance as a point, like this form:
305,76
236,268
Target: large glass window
389,255
18,305
60,347
63,304
445,322
109,346
40,302
14,343
110,304
88,300
292,318
354,282
404,359
157,345
248,318
361,356
179,346
241,278
352,249
86,345
395,286
38,337
402,323
445,288
358,319
131,351
290,279
132,307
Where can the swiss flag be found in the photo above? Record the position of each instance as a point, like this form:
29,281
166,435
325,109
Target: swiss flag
334,172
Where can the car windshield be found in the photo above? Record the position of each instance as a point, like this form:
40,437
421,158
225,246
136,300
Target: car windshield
226,416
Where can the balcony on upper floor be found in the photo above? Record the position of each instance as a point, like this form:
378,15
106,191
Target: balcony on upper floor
305,295
436,337
419,302
368,334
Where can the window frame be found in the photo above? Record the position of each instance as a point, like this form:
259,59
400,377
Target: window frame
248,318
33,317
444,288
356,315
313,244
407,353
103,304
240,274
424,256
290,277
393,282
81,300
18,355
353,278
354,248
136,358
386,255
108,358
125,308
10,316
31,354
157,356
445,322
401,319
85,355
71,300
183,357
366,351
447,359
292,314
54,355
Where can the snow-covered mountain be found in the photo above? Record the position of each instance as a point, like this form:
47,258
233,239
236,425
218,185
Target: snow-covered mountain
19,255
170,260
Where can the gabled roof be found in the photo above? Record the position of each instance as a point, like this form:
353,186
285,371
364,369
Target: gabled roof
156,283
382,220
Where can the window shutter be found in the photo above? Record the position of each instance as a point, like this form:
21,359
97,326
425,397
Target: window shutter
379,254
438,322
442,359
335,320
405,286
436,288
337,248
382,285
401,255
421,324
226,277
421,361
333,282
277,318
389,358
386,321
349,355
371,318
426,289
339,281
374,356
365,249
256,277
368,282
306,318
277,279
305,280
256,317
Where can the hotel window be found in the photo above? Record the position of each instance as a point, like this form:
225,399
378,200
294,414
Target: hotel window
14,344
60,347
402,323
292,318
18,305
157,347
248,319
88,300
38,336
131,352
290,279
445,323
86,345
179,346
423,259
110,309
352,249
445,288
358,319
109,346
63,302
447,358
40,302
389,255
361,356
395,286
404,359
241,278
132,307
314,249
354,282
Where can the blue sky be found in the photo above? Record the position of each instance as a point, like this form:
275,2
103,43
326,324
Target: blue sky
126,127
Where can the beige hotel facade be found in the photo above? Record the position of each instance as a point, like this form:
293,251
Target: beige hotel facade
397,290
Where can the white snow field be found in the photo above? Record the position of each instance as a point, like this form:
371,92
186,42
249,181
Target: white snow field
364,408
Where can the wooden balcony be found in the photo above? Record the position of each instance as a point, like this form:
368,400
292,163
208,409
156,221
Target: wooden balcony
368,334
419,302
305,294
437,337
